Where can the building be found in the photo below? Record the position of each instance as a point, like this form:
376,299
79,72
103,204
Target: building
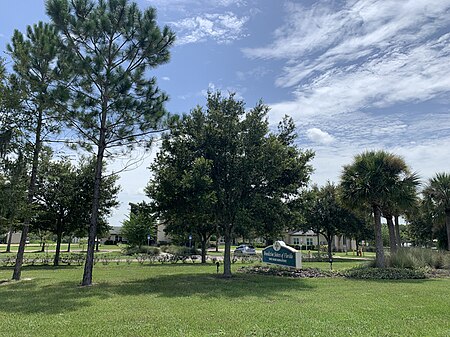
309,240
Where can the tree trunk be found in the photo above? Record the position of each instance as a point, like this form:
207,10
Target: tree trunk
392,238
318,244
204,250
227,256
88,266
68,245
217,242
397,231
31,189
59,232
97,245
330,243
10,234
447,223
379,259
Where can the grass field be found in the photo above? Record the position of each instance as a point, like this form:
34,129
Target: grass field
50,247
190,300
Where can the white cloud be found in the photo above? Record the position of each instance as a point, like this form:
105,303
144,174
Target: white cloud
165,78
367,53
184,5
222,28
255,73
318,136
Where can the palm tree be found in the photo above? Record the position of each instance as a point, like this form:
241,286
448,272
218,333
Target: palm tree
403,197
371,180
438,190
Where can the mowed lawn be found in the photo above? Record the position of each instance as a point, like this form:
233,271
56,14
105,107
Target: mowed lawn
190,300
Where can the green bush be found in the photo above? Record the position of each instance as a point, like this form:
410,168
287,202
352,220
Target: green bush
384,273
179,250
149,250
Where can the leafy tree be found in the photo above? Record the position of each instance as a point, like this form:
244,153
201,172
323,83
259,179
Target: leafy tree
64,195
139,225
13,185
370,181
111,44
328,217
438,192
37,73
225,158
182,188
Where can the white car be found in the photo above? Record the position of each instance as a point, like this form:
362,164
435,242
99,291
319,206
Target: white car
245,250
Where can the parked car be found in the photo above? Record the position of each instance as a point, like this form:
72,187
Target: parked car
245,250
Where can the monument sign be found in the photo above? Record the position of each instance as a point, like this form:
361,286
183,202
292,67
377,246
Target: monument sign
282,255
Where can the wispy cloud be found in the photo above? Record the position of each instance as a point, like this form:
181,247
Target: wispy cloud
186,5
255,73
364,54
222,28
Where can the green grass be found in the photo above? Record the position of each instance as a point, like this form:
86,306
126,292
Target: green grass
190,300
35,248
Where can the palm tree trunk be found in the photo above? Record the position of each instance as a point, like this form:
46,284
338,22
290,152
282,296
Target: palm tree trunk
447,223
397,231
392,238
379,259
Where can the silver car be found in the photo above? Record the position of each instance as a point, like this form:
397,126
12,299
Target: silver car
245,250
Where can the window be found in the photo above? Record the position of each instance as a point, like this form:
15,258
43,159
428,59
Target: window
296,241
309,241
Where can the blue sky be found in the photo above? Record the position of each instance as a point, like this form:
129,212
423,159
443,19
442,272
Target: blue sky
355,75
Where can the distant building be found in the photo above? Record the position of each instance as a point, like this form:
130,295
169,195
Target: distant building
15,238
311,239
114,236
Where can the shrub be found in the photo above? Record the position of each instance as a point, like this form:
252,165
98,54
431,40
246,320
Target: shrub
179,250
149,250
414,258
384,273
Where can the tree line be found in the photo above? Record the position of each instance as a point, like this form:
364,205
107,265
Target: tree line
83,75
83,79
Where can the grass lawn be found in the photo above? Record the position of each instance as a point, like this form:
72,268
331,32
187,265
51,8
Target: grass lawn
35,247
190,300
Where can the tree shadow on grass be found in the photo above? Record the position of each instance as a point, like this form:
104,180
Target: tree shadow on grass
41,267
31,296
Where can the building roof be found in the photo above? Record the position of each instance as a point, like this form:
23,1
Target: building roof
302,233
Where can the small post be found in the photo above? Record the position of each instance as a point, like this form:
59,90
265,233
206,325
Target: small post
331,263
217,265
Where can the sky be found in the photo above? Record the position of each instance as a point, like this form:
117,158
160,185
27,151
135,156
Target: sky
355,75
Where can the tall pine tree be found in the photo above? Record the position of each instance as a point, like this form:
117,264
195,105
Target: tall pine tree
115,105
